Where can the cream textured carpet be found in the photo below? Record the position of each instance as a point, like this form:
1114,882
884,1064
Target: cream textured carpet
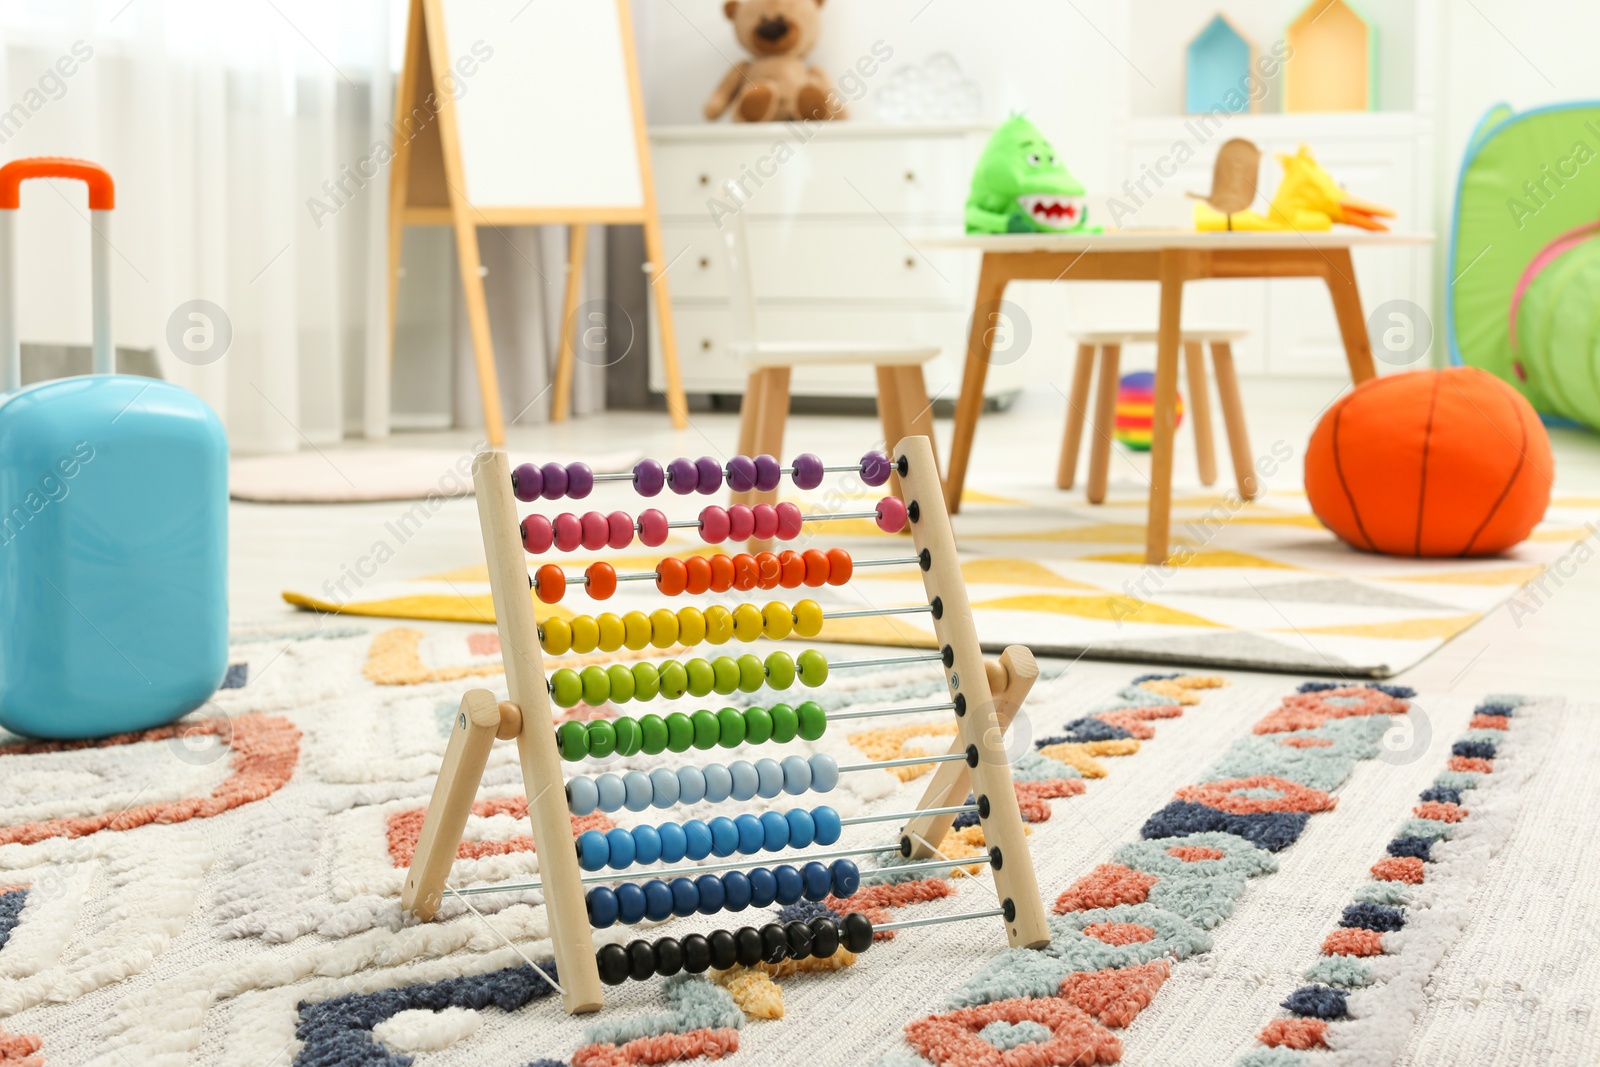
1261,873
1259,586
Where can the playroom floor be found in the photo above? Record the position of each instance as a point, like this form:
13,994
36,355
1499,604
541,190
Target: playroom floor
1548,651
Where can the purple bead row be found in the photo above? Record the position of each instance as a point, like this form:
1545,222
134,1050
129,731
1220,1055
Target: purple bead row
530,481
683,476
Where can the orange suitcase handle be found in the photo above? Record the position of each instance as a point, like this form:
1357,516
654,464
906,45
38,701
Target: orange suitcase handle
102,191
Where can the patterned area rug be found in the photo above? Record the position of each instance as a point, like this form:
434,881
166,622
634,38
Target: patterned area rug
1259,586
1256,873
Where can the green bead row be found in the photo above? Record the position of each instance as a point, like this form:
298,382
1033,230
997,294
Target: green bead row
679,732
698,678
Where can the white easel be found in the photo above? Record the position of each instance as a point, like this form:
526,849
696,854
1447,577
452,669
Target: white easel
534,116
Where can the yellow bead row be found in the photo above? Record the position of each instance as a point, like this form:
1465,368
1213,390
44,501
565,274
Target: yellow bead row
688,626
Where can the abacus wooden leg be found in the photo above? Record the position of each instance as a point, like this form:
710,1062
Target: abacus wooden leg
1010,679
1105,422
1244,469
551,824
476,725
977,718
1205,448
1164,418
1072,439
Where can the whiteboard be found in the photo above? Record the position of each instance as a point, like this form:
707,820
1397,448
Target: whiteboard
545,120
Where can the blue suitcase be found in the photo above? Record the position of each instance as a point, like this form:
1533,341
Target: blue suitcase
113,524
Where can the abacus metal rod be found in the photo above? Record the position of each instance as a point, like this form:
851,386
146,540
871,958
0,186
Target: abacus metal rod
919,709
580,578
933,920
814,516
841,715
927,865
749,861
954,809
628,476
889,661
863,613
708,868
909,761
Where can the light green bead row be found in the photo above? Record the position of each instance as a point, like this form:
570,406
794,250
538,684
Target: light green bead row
596,685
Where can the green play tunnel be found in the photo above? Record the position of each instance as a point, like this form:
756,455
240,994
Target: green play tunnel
1555,336
1523,301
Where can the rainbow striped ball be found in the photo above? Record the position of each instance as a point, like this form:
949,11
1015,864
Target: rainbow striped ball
1136,403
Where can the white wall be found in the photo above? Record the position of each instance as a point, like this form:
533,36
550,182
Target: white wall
1522,53
1044,57
1050,59
1071,66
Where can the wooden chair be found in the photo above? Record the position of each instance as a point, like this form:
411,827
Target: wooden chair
903,404
1105,347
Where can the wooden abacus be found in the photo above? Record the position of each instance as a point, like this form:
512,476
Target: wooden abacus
984,695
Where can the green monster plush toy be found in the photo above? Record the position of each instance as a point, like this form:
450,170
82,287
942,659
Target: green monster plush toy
1019,186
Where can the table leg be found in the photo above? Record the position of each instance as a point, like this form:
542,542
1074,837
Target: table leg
1105,422
892,413
750,410
1164,424
1205,449
770,425
914,403
980,340
1341,278
1072,440
1233,416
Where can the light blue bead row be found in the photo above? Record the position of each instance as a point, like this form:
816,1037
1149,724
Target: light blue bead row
715,782
744,835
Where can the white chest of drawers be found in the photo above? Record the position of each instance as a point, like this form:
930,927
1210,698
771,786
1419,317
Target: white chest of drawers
833,212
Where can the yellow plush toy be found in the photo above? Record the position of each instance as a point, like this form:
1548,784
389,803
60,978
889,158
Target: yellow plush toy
1307,199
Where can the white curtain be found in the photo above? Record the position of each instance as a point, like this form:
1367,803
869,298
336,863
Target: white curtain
223,124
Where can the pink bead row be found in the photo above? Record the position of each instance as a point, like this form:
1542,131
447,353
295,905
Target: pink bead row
594,531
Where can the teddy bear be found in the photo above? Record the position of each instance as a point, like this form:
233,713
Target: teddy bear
776,85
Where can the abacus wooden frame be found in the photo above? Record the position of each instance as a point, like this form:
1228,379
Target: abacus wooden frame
987,695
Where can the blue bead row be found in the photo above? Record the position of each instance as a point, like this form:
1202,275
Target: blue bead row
715,782
631,903
745,835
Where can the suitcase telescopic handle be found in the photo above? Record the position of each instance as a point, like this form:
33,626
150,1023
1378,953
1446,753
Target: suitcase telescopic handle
102,197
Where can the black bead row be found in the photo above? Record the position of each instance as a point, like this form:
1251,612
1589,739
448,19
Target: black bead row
696,953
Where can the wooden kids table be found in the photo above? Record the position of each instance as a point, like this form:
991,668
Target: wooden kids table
1170,258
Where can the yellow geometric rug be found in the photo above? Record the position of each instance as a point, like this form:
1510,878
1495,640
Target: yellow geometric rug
1259,585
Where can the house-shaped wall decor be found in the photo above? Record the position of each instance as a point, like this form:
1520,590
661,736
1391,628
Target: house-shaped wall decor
1220,70
1332,63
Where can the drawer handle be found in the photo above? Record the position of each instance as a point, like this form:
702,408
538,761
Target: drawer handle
911,175
910,263
705,179
705,261
705,345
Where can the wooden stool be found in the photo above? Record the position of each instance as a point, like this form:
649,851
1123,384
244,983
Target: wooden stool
1108,345
903,403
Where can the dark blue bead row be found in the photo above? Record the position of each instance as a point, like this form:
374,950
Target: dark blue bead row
655,900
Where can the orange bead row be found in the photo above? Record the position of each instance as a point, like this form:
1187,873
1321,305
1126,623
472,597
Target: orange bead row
763,570
716,574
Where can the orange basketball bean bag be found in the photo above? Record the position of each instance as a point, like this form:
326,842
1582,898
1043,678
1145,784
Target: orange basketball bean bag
1431,463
